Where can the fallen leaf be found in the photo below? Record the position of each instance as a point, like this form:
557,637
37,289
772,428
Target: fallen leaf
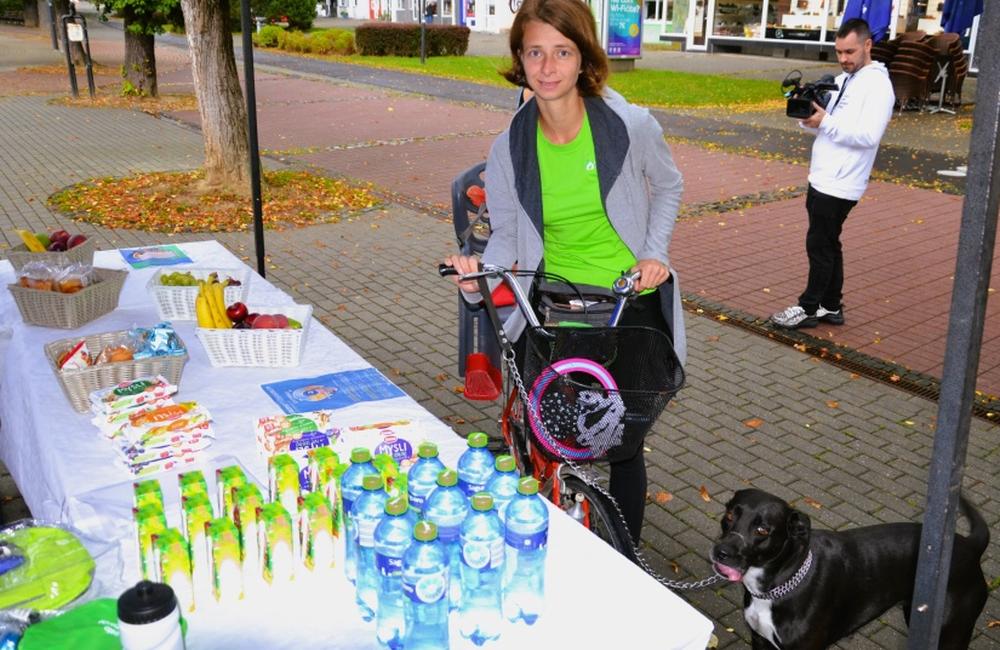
753,423
722,317
441,376
712,338
801,347
676,568
834,404
395,371
705,496
855,375
663,497
894,378
993,623
766,290
814,503
458,390
459,420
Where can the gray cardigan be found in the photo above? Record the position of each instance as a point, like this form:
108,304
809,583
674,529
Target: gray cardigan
640,187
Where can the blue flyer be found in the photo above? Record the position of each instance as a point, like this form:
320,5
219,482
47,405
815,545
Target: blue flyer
140,258
333,391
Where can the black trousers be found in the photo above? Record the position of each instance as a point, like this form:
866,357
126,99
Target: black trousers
628,481
826,260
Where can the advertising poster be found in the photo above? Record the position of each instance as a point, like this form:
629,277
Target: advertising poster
140,258
332,391
624,29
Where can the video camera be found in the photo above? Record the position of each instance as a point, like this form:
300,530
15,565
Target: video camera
801,96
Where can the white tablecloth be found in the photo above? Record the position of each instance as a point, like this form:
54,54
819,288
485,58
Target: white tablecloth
67,472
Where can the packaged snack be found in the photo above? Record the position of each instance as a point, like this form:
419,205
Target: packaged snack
283,481
73,278
226,479
129,394
277,543
75,357
317,531
174,562
192,483
149,521
147,492
37,275
156,341
111,423
227,572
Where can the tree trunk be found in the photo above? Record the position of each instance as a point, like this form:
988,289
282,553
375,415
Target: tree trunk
30,13
220,99
75,48
140,62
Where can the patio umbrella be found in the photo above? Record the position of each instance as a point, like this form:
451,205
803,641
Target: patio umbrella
958,14
875,12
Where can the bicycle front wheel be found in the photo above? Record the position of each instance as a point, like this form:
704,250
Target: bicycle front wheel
603,518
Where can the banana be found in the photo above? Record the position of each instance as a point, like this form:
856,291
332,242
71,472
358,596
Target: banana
204,315
219,302
30,241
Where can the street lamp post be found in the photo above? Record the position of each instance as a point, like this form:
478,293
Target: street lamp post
258,203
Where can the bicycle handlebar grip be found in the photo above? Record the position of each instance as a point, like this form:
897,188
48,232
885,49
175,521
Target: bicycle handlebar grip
444,270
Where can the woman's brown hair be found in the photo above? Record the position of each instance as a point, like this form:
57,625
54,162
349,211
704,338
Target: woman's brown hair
572,18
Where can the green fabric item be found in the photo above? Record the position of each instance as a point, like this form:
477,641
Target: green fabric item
580,243
91,626
57,571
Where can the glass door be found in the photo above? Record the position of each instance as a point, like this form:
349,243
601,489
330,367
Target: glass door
697,31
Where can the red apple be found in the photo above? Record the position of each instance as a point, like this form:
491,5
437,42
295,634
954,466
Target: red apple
75,240
59,235
282,321
251,317
57,245
265,322
237,312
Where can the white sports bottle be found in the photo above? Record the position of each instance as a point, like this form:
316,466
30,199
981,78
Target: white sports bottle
149,618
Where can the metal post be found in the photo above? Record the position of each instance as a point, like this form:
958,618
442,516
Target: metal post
52,25
423,31
86,58
69,57
965,332
258,203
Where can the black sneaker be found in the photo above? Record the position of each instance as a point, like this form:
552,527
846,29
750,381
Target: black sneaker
794,317
832,317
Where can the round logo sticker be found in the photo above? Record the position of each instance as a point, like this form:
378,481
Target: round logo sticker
430,588
476,554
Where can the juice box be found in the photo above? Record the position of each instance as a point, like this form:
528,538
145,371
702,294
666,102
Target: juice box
283,481
323,464
227,478
277,543
149,521
192,483
227,572
393,479
196,513
174,562
248,500
316,529
296,434
147,492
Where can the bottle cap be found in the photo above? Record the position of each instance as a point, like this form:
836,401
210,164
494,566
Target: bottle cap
527,485
427,450
447,478
425,531
146,602
482,501
372,482
360,455
396,505
505,463
478,440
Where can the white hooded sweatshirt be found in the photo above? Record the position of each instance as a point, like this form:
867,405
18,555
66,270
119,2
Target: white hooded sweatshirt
847,139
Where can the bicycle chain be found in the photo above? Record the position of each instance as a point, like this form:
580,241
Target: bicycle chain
590,480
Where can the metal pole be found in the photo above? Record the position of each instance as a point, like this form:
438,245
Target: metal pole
86,58
965,332
423,32
69,57
258,203
52,25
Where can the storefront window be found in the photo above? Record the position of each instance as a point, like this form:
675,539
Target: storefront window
738,18
800,20
659,10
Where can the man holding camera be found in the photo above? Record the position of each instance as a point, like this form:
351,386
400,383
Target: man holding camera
847,132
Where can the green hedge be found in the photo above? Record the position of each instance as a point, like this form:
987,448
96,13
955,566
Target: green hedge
326,41
403,39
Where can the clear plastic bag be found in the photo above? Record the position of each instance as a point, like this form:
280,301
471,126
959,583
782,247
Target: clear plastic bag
43,566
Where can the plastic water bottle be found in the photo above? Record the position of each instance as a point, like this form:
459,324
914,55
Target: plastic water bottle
503,486
393,536
422,477
447,507
475,465
527,534
367,512
350,489
425,589
482,537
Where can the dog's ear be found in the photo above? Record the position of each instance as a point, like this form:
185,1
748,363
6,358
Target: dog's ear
799,525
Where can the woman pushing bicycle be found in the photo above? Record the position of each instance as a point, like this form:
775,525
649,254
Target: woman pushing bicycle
583,185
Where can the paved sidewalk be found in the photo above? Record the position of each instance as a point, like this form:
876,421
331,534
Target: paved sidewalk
848,450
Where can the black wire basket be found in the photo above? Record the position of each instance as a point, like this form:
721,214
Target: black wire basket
594,392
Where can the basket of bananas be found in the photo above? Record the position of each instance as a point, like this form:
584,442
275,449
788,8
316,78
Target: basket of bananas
174,292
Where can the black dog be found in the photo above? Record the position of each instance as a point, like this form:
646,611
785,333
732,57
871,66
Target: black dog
807,589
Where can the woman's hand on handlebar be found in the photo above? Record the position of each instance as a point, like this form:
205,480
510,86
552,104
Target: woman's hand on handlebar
654,273
464,264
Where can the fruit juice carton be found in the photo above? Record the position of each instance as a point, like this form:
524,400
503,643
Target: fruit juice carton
227,572
323,464
283,481
196,513
149,521
398,439
227,478
392,478
129,394
316,529
277,543
147,492
247,501
296,434
192,483
174,562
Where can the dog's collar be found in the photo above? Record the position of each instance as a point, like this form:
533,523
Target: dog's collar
783,590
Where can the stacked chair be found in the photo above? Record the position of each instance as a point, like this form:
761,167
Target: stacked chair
921,65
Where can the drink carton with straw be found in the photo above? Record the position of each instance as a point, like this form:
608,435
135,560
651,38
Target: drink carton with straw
283,481
277,541
149,521
174,562
227,573
227,478
316,527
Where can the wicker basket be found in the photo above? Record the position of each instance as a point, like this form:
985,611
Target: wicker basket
268,348
70,310
177,303
20,255
79,384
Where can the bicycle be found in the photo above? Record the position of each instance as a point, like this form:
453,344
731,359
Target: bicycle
594,412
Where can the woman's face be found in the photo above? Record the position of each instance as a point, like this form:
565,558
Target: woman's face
551,61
